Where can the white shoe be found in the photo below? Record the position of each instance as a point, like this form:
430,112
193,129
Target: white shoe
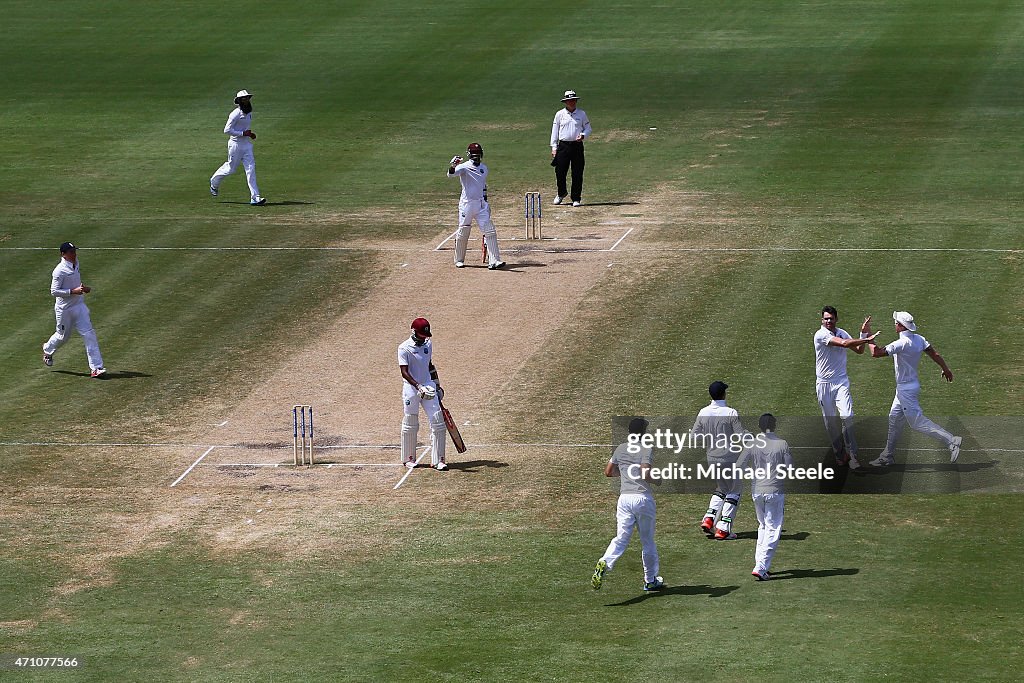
497,265
440,467
882,461
577,203
460,264
854,465
410,464
97,372
558,200
954,448
258,201
47,359
213,190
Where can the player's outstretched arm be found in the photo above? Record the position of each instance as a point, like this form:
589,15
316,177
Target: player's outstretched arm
947,374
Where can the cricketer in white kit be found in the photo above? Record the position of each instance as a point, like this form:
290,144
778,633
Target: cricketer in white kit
239,128
70,310
635,508
717,423
421,388
833,384
906,409
473,205
767,492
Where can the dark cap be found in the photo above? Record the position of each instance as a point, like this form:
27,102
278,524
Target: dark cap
422,326
66,247
717,390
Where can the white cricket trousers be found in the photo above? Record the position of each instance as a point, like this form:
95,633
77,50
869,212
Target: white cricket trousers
239,152
75,317
479,210
835,400
635,509
907,410
768,507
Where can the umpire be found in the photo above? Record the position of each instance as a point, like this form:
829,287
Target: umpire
568,131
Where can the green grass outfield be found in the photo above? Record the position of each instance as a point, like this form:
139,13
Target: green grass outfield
892,126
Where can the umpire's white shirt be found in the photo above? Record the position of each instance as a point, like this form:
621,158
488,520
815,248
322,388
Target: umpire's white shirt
906,354
568,126
830,361
474,181
418,358
65,278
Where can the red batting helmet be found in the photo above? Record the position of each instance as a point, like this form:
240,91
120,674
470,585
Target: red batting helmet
421,326
475,151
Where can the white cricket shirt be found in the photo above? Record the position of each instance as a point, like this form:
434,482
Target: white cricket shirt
237,124
624,459
474,180
418,358
906,354
65,277
719,422
568,126
830,361
765,461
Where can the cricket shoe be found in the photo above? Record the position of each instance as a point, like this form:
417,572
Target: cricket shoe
497,265
213,191
954,448
258,201
558,200
410,464
598,576
655,585
577,203
723,535
47,359
761,575
460,264
708,525
882,461
854,463
842,459
441,466
98,372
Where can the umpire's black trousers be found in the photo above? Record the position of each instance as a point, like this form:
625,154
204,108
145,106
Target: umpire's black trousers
569,153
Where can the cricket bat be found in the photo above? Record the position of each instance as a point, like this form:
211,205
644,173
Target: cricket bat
453,430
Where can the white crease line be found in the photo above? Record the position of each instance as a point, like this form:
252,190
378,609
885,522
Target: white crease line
621,238
185,473
409,470
326,465
438,247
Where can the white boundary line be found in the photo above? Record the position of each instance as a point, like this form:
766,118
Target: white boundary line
624,236
584,250
185,473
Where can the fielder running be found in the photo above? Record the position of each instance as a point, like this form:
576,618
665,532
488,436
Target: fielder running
473,204
833,384
239,127
767,492
421,388
717,424
635,508
71,312
906,409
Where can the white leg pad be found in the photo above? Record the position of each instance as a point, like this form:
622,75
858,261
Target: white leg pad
438,438
410,429
491,240
461,242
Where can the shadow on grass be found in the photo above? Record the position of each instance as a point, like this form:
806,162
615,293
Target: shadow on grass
118,374
586,204
710,591
811,573
285,203
474,465
919,467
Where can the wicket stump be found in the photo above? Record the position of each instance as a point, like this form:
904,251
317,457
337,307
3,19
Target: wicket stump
300,445
534,216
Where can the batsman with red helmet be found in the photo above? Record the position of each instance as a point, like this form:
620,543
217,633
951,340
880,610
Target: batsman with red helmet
421,388
473,204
